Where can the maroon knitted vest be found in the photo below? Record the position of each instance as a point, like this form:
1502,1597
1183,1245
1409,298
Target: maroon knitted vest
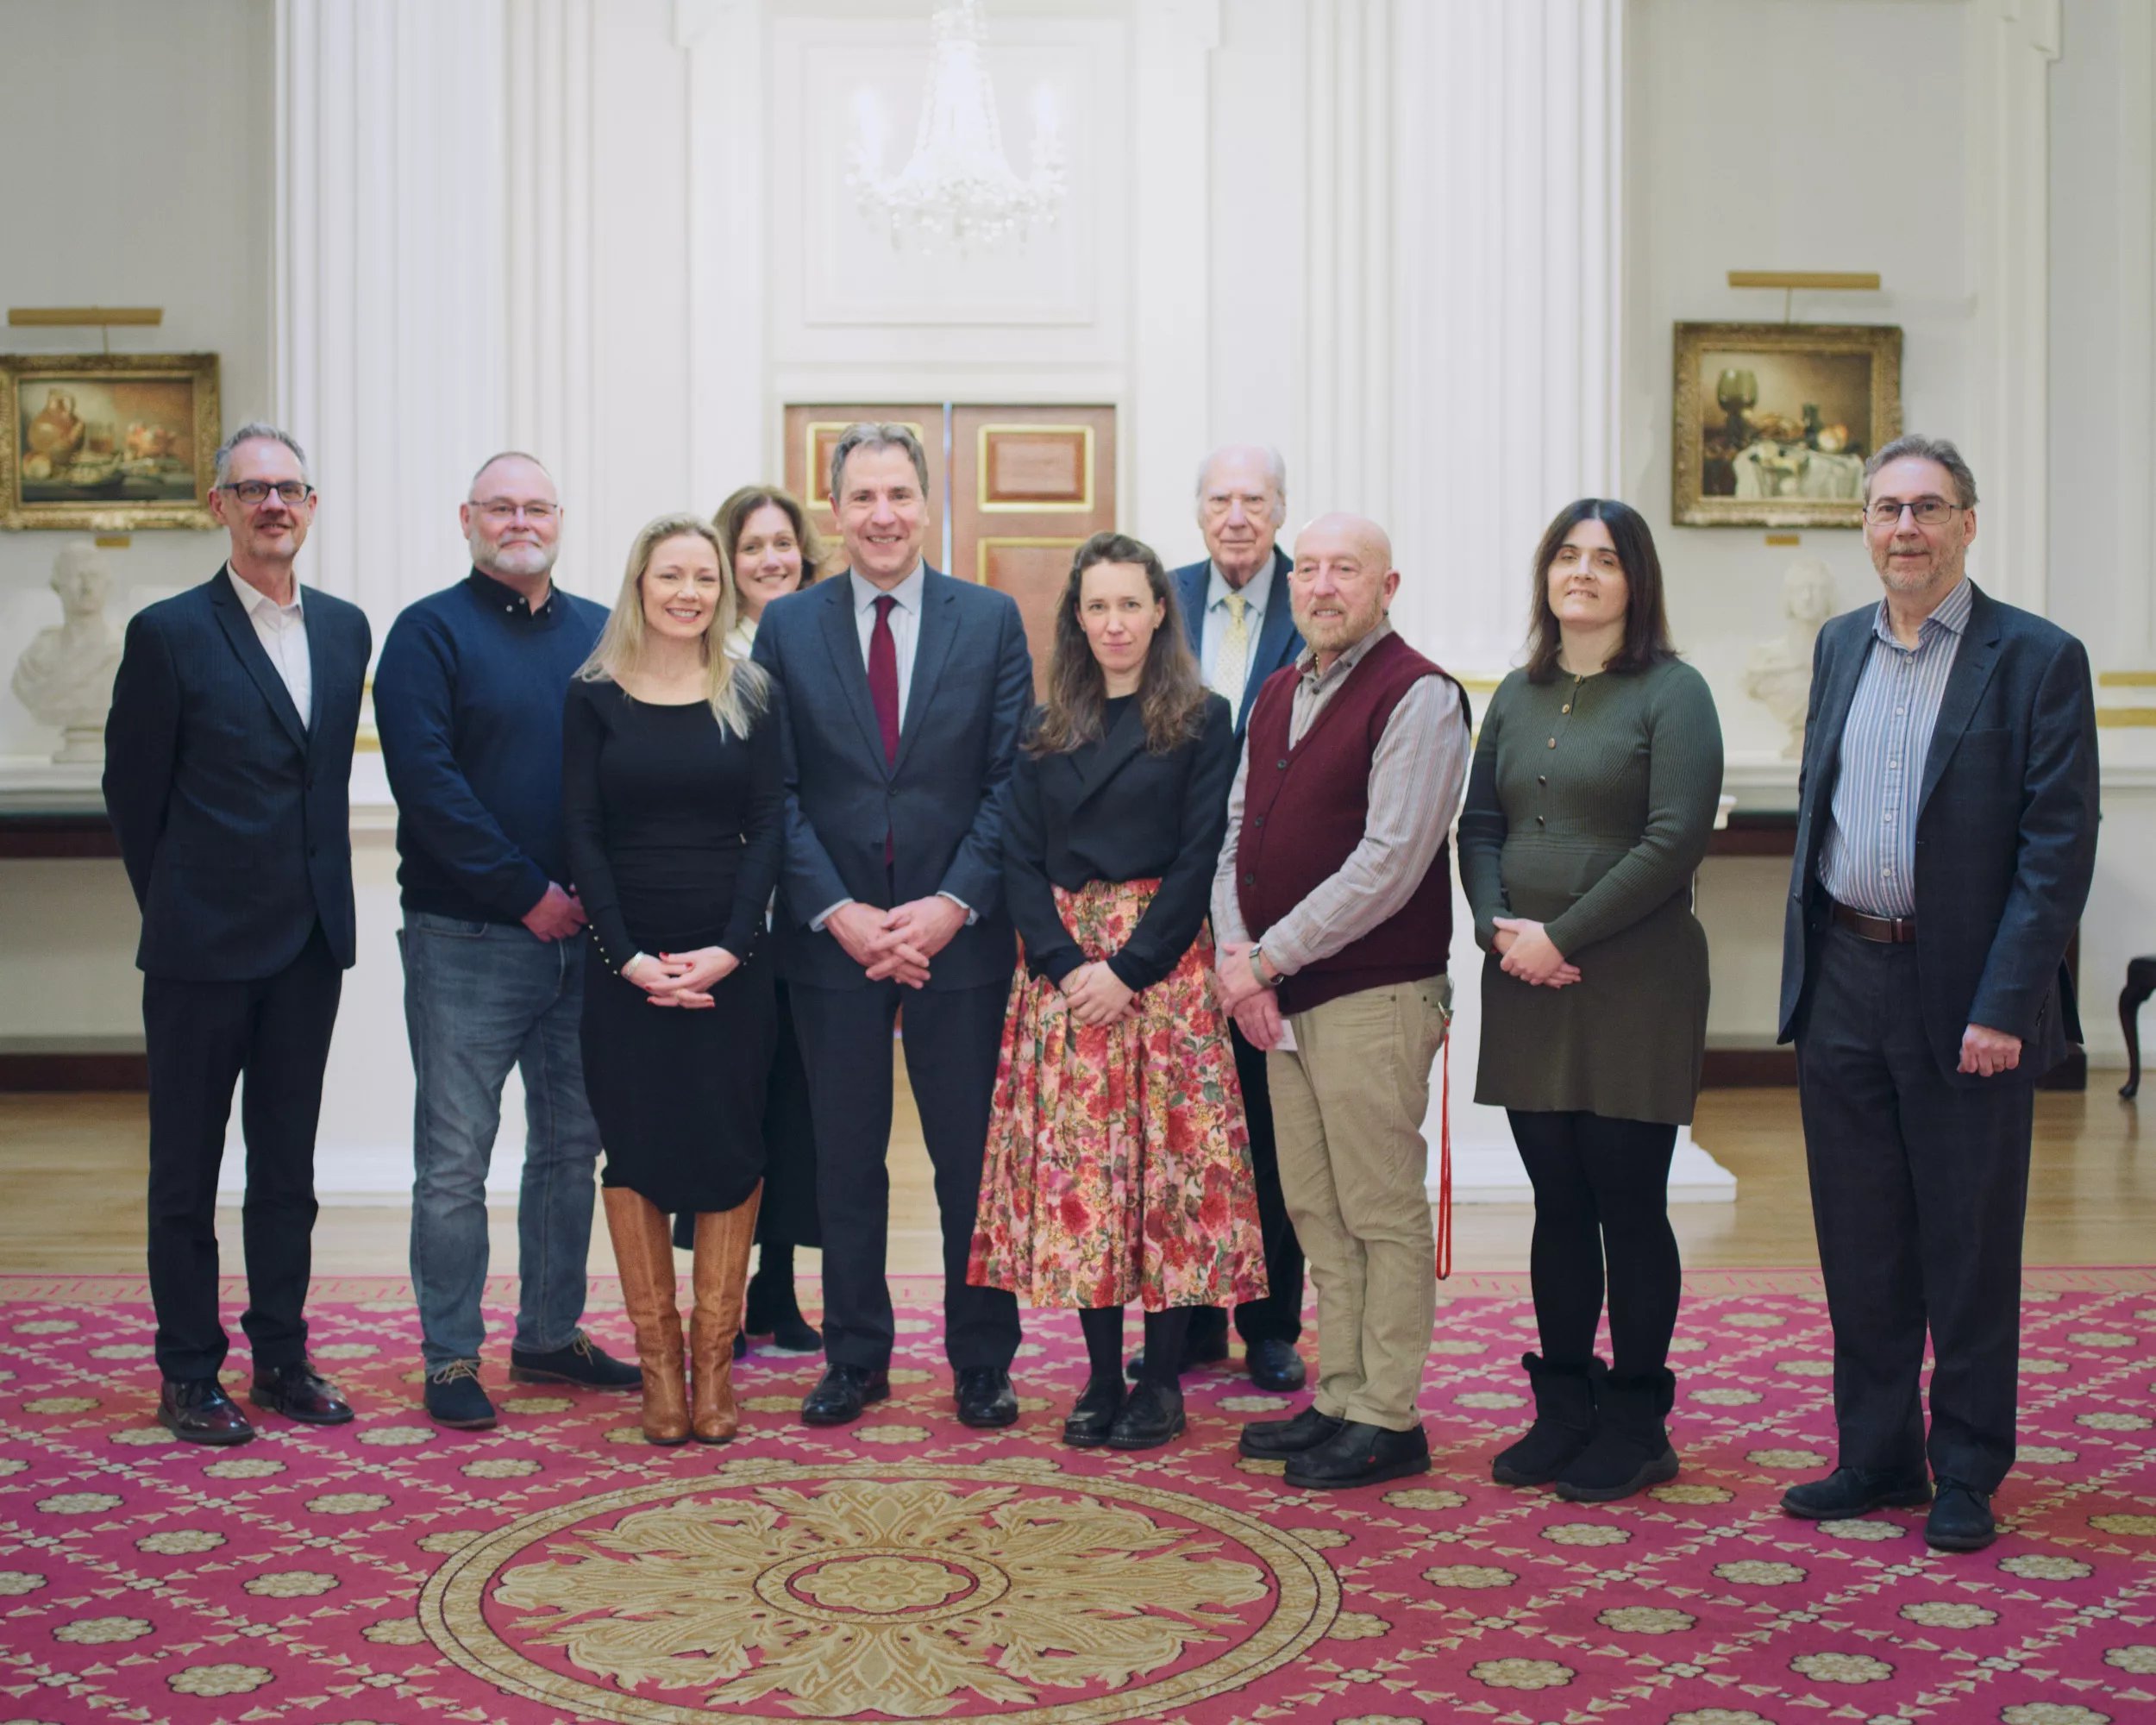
1304,810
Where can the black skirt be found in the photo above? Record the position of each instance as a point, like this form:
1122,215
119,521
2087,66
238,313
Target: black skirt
679,1095
788,1216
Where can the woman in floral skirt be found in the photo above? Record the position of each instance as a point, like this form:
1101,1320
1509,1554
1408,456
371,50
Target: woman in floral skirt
1118,1166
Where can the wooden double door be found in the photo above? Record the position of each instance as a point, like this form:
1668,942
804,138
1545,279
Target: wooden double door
1013,491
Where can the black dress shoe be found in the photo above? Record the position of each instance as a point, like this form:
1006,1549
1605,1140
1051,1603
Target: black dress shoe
774,1311
1151,1415
842,1392
1848,1492
299,1392
1094,1414
1275,1366
1359,1454
985,1397
455,1400
198,1410
1960,1520
582,1362
1276,1439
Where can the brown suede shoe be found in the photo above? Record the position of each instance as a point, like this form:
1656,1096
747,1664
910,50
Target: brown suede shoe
199,1412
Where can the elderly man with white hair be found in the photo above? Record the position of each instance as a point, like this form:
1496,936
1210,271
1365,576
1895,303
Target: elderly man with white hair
1236,606
1333,908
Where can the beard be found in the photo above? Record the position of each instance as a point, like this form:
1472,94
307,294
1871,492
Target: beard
521,559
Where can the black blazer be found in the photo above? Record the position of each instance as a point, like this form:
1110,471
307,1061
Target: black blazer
2006,831
973,683
1116,811
1278,644
234,819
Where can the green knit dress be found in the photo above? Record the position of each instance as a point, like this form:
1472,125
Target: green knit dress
1588,809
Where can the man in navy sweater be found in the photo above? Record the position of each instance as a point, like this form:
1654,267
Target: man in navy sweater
468,700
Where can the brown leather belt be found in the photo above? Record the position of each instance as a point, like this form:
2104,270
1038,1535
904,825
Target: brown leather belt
1890,930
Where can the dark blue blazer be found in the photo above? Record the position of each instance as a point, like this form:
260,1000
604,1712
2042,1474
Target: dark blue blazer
2006,831
234,819
972,687
1278,644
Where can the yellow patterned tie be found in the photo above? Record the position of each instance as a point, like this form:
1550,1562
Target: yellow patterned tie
1231,663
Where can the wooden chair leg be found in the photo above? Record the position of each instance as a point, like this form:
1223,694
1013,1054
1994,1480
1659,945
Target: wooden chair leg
2140,983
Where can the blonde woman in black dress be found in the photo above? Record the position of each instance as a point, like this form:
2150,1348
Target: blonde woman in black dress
674,800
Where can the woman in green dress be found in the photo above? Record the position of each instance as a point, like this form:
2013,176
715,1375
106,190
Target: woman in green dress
1593,793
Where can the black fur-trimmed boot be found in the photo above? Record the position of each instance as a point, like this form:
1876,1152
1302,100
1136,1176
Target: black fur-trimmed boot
1564,1422
1631,1448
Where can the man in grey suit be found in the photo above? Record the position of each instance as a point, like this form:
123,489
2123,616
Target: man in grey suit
1947,834
1236,608
904,691
227,767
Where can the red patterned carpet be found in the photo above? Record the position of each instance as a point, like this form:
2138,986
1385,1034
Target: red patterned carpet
906,1568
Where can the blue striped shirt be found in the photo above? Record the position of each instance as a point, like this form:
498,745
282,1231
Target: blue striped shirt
1868,857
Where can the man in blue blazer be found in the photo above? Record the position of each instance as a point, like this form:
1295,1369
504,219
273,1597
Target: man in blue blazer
904,691
1946,833
227,767
1234,605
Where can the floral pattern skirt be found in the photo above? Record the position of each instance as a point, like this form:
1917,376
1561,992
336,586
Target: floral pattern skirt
1118,1164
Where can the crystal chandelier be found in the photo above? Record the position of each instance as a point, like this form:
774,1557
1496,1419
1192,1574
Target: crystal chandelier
957,186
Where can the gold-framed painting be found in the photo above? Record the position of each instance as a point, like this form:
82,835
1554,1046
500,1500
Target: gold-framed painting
108,442
1774,421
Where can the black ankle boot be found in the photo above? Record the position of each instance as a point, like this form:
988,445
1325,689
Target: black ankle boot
1564,1422
774,1311
1630,1449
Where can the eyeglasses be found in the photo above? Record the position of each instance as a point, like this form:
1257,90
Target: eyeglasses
1930,511
255,492
503,513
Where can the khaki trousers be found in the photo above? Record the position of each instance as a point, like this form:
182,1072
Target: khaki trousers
1348,1105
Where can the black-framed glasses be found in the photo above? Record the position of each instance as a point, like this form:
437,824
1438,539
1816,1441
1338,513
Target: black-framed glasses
255,492
1930,511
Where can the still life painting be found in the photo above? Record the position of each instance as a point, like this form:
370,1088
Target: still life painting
108,442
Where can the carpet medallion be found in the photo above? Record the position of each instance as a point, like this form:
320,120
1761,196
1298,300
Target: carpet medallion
906,1568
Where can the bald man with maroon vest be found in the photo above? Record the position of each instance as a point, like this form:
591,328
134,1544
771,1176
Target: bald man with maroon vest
1332,908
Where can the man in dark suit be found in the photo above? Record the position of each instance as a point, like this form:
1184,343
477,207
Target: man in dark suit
1946,833
1234,605
228,764
904,691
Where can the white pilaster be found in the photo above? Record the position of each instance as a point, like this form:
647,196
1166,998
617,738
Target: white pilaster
2011,45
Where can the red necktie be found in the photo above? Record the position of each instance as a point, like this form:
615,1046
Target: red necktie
883,692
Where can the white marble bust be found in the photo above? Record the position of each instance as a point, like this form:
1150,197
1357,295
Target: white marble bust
64,675
1778,675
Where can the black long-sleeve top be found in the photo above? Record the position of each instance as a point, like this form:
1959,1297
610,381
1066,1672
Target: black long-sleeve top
1111,810
674,829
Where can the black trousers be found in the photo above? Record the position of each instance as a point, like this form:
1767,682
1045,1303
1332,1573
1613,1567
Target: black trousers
1601,1198
201,1037
1919,1187
952,1038
1278,1316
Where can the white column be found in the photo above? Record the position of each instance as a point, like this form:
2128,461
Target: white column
389,279
2011,45
1165,429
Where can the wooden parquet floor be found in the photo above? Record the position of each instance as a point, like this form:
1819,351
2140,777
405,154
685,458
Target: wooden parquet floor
72,1174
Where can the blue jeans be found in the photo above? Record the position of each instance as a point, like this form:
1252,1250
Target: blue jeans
479,999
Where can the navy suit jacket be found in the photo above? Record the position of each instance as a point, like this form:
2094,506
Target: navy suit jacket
1278,644
972,687
2006,831
234,819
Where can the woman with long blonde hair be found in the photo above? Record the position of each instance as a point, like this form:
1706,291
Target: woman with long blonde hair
674,802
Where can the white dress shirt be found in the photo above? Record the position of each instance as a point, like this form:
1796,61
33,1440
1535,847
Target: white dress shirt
282,630
905,623
1214,625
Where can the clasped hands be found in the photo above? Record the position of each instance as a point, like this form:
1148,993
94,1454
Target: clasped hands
1254,1007
897,943
682,979
1526,951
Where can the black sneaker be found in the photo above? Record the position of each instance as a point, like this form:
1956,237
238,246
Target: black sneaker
455,1400
582,1362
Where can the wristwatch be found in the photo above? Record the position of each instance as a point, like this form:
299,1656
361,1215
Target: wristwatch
1258,969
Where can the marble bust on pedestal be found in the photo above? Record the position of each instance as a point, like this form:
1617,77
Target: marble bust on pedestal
64,675
1779,673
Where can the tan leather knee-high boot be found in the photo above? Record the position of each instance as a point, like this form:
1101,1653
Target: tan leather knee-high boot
643,1252
722,1240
